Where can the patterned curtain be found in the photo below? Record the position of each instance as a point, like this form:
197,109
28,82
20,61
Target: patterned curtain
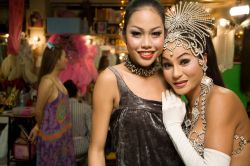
16,14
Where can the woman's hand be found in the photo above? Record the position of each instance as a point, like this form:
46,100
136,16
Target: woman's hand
33,134
173,109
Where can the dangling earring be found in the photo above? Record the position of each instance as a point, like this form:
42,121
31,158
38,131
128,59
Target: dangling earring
204,68
206,82
203,64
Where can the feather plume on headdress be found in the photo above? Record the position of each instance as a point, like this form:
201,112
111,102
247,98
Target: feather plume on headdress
188,24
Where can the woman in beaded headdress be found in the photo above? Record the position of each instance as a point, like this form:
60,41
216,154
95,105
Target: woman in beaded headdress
127,96
215,129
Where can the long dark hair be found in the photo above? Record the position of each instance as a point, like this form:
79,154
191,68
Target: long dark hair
134,5
213,68
49,60
245,62
103,63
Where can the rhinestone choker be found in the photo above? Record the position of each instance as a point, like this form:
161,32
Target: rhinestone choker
138,70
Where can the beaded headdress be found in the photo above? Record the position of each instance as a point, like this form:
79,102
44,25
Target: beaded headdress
188,25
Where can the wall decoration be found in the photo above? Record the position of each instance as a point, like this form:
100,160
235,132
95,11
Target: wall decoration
35,19
102,27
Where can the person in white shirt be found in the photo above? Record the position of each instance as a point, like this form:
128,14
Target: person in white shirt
81,119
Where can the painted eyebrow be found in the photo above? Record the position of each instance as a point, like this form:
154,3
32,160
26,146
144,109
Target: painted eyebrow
141,29
181,55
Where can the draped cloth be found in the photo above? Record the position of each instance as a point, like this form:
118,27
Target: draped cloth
224,48
16,12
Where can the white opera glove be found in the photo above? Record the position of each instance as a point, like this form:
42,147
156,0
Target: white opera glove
173,109
190,156
173,115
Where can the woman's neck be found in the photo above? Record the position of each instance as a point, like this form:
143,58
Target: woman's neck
55,74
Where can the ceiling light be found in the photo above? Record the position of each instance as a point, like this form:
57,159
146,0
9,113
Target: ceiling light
239,10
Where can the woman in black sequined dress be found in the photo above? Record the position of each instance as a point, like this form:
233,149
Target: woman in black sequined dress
127,96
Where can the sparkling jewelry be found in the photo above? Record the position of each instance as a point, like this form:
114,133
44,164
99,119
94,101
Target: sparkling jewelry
206,83
197,138
188,25
189,123
242,144
138,70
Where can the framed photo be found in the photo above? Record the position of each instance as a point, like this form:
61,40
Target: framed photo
35,19
102,27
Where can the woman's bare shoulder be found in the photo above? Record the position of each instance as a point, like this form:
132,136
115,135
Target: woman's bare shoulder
225,97
106,89
46,82
223,101
106,76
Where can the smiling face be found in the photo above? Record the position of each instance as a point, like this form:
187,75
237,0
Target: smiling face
144,36
182,70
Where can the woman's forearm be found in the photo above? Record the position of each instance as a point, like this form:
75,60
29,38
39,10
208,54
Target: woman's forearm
38,117
96,157
188,153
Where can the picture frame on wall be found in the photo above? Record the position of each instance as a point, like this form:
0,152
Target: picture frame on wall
102,27
35,19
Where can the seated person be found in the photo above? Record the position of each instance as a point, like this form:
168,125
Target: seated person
81,119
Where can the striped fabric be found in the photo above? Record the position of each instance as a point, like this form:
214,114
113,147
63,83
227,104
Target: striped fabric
81,123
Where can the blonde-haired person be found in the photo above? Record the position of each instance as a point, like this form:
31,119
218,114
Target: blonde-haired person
216,128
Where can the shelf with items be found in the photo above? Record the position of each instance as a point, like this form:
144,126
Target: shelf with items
112,16
104,27
113,40
19,152
107,21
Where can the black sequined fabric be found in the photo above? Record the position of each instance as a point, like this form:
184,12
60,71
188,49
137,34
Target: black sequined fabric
138,133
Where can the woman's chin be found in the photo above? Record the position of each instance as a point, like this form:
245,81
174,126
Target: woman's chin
180,91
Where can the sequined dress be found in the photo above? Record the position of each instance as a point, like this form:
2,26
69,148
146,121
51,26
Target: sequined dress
55,144
138,133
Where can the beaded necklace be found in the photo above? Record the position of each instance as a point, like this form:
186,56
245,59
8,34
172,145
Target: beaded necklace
197,138
138,70
189,123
